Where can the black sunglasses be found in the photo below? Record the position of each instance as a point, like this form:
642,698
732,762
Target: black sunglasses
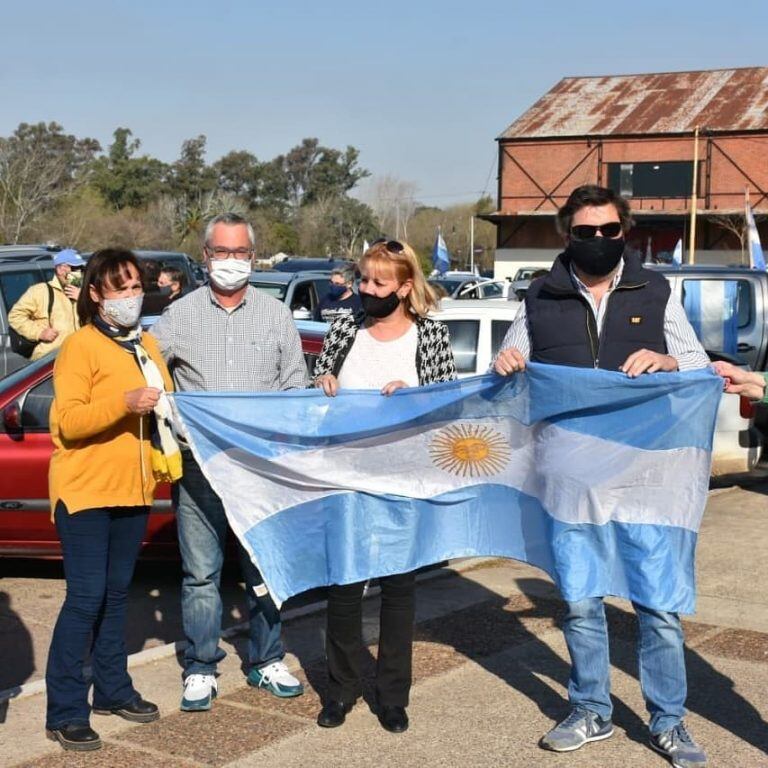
393,246
586,231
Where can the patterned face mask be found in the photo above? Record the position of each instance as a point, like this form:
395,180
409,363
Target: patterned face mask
123,312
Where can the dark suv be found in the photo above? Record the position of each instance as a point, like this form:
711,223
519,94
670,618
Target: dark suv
20,267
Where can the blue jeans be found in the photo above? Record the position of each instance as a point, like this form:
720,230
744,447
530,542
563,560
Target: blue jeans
662,662
202,525
99,548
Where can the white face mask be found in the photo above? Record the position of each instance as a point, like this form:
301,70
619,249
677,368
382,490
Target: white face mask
230,274
123,312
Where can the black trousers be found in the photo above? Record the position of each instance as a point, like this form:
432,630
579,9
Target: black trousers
344,640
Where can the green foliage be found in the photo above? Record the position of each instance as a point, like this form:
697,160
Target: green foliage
310,173
240,173
190,178
39,164
54,186
124,180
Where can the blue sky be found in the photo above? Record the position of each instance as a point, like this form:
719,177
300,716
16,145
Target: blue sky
421,88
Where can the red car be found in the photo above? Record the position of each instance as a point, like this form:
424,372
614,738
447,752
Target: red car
26,529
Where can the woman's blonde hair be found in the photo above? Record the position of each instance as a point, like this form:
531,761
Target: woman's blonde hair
401,259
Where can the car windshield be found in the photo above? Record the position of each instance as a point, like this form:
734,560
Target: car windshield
449,286
492,289
276,290
14,282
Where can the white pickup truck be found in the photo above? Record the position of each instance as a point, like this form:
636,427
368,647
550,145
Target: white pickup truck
478,328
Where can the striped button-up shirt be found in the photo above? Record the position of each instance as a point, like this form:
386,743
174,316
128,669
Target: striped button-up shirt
679,336
253,347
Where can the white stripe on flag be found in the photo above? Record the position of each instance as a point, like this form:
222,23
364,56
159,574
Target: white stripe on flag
577,478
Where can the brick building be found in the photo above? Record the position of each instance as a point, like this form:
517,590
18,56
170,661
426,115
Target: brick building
635,134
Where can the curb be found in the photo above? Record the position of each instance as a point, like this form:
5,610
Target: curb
171,649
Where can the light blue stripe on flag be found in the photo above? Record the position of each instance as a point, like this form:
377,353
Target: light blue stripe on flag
712,307
598,479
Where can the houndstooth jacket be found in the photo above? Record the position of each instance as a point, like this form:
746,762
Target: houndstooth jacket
434,357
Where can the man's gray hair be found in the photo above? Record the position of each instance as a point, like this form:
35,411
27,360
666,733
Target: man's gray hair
230,220
347,275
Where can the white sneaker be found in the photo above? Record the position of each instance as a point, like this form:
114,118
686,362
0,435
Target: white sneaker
199,693
276,679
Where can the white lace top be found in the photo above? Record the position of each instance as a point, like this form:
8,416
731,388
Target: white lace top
371,364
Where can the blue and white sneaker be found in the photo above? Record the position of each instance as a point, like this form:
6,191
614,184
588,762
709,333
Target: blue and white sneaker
579,728
678,745
276,679
199,693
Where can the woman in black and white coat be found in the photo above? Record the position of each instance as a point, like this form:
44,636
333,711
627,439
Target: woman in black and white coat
394,345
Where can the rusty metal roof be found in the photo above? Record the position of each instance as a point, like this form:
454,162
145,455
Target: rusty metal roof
670,102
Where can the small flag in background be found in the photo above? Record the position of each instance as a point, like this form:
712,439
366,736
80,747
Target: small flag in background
677,256
441,259
756,255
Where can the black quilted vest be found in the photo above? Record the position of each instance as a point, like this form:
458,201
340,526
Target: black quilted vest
563,328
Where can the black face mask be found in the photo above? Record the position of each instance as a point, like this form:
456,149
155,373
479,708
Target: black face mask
596,256
378,307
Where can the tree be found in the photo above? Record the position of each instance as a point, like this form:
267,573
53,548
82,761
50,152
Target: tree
190,177
334,174
125,180
39,164
311,173
455,224
733,224
335,225
240,173
394,202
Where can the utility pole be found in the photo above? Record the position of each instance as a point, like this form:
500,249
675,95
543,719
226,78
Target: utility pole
694,191
472,243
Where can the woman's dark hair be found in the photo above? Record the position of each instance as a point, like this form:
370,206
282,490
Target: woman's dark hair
175,275
590,195
107,268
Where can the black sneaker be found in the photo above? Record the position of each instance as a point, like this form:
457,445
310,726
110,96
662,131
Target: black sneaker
678,745
78,738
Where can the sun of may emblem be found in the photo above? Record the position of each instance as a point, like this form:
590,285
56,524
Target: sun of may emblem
470,450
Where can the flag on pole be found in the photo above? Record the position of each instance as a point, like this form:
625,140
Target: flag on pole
441,259
713,311
677,256
598,479
756,255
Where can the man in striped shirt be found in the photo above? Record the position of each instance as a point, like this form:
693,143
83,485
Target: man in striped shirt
598,307
226,336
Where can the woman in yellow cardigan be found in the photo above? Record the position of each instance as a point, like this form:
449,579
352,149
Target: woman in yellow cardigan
111,431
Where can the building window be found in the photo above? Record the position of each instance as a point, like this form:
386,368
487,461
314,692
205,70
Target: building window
671,179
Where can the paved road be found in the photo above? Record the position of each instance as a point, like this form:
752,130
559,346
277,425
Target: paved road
31,593
490,671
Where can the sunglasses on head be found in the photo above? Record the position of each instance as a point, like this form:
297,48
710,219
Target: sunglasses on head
393,246
586,231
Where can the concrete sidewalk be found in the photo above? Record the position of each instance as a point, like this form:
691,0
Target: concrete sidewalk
490,670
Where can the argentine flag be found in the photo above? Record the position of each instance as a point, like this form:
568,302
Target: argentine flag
756,256
598,479
712,307
441,259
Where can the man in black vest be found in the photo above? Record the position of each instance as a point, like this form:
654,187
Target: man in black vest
599,307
